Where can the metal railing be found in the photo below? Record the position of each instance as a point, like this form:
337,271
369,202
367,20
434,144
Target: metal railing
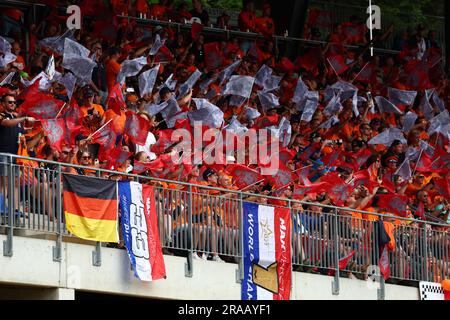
340,12
200,219
249,36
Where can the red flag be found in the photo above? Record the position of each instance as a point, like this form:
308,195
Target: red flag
363,178
319,18
285,65
164,141
183,124
337,62
267,121
286,155
353,32
29,92
72,119
154,166
417,75
338,190
115,100
309,151
384,264
301,191
117,157
303,174
142,6
345,260
331,159
283,177
361,156
420,211
41,106
393,203
106,138
387,183
368,74
427,164
442,186
432,56
55,132
213,56
243,176
136,127
196,29
164,55
310,61
257,53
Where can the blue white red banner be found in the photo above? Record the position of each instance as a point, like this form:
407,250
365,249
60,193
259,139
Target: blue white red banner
267,253
140,230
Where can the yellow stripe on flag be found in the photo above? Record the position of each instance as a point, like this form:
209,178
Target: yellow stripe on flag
92,229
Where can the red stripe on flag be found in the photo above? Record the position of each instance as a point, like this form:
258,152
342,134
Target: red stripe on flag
282,221
154,244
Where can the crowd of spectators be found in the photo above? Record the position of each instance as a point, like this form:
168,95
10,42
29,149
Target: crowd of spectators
376,127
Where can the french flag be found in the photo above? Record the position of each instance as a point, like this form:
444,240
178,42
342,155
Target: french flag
267,253
140,230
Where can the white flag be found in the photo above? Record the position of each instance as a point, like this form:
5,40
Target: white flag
388,136
8,78
268,100
386,106
147,81
50,70
240,86
130,68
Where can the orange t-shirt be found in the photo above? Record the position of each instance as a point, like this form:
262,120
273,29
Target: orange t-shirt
97,107
389,227
118,121
112,70
370,216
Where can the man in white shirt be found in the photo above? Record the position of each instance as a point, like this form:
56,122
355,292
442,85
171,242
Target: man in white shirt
151,140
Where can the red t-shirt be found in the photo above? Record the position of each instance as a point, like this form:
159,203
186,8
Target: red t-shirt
265,26
158,11
247,21
14,14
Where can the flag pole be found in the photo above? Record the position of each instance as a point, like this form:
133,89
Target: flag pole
253,184
101,128
417,163
436,63
371,29
359,72
60,110
333,69
303,168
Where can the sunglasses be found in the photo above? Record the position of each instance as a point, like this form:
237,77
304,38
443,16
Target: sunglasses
11,102
65,152
86,158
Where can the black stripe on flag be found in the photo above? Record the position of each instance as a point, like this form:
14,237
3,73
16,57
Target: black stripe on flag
89,187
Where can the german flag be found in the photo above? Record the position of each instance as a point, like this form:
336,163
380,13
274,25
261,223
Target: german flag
91,208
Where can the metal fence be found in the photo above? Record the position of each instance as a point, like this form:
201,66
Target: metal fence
341,12
248,36
199,219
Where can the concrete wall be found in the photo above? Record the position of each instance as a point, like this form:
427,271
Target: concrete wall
32,265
